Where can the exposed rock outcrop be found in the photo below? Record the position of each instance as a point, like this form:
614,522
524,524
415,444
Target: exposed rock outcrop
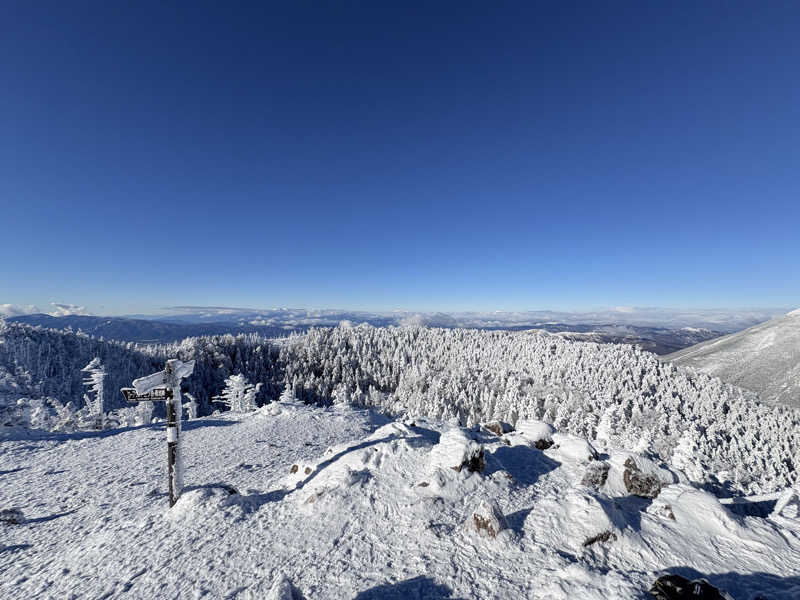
675,587
595,475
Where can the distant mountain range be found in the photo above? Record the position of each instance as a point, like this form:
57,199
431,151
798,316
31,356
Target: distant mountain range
764,359
722,320
143,330
281,322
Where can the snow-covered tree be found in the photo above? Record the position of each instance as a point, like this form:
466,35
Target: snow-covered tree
250,396
287,395
238,395
95,374
144,413
65,415
341,395
684,456
190,406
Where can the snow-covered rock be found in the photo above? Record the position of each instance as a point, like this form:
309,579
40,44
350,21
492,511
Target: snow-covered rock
539,433
572,448
271,409
486,519
206,502
457,451
595,474
698,509
589,519
634,474
498,427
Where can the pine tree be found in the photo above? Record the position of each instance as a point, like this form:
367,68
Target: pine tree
96,373
287,396
238,395
191,407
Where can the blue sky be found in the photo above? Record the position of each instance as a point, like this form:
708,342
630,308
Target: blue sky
437,156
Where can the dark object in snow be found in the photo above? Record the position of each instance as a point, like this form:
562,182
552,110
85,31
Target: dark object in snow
487,520
294,469
675,587
606,536
423,484
475,463
228,488
307,471
12,516
543,444
639,484
498,427
596,474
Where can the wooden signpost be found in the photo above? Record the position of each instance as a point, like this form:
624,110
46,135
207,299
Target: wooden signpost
165,386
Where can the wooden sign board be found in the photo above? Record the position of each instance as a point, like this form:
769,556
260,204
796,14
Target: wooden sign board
154,395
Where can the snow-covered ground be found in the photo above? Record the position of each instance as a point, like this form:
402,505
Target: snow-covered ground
343,503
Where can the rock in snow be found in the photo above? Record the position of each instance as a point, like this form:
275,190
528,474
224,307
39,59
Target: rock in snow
595,475
457,451
699,509
675,587
12,516
487,520
573,448
638,483
539,433
498,427
637,475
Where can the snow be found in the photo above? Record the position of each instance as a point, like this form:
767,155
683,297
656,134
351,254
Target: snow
360,521
764,359
572,448
535,431
454,449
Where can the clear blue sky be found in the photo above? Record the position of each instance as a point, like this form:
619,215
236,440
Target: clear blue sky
428,156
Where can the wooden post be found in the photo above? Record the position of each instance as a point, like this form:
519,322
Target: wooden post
172,451
166,386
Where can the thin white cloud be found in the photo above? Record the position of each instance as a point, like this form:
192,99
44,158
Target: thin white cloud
15,310
66,310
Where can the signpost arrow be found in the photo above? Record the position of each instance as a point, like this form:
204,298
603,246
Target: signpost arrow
165,386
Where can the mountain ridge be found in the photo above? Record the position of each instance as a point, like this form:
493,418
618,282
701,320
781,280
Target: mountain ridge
764,359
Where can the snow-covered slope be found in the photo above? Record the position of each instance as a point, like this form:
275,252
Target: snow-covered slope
764,359
472,376
345,504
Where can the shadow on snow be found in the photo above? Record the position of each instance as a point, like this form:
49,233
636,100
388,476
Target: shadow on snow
523,463
744,586
418,588
82,435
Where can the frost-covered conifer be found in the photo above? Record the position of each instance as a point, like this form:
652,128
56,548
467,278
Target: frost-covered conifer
238,395
684,454
144,413
288,394
191,407
95,374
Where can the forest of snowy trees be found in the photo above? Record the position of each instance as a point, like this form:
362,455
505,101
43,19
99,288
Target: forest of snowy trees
718,433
